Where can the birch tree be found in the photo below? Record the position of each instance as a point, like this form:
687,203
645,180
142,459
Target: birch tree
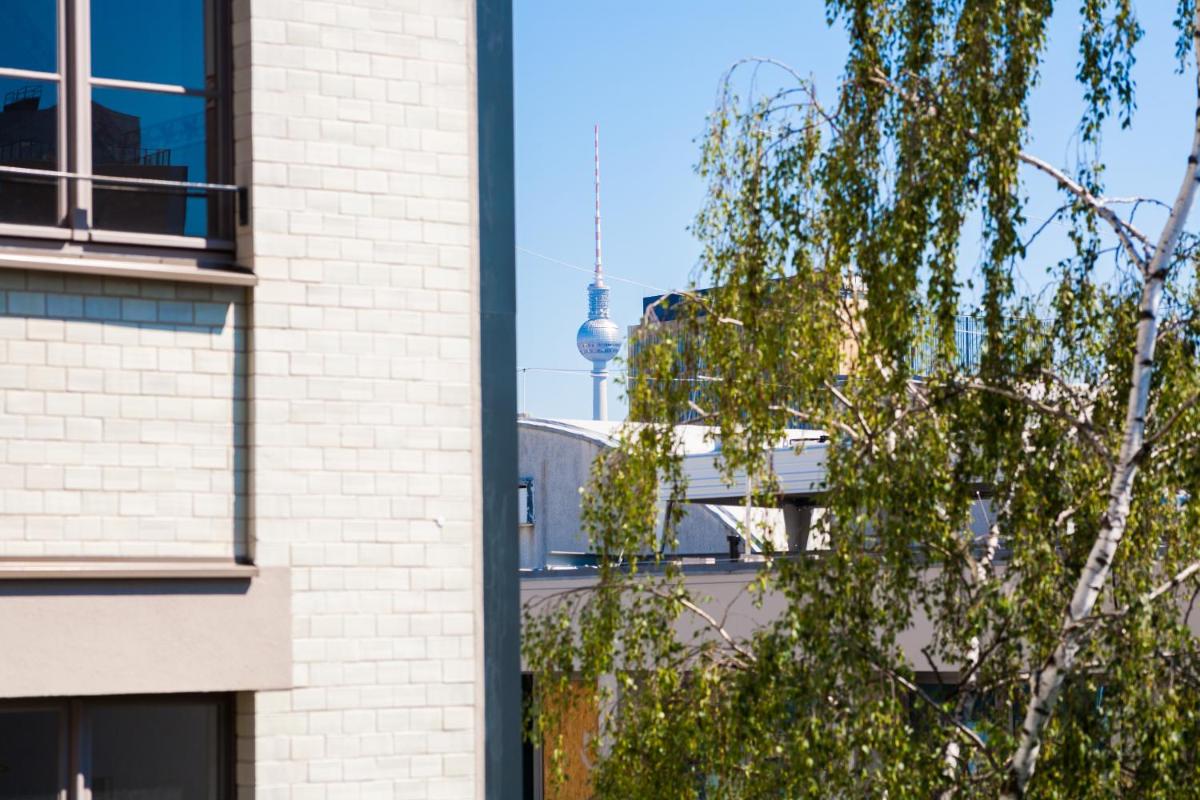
1062,659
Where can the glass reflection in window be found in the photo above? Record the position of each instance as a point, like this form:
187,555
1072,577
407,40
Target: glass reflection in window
28,140
156,41
29,35
139,134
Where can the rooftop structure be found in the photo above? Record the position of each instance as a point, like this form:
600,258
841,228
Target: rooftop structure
556,458
555,461
599,339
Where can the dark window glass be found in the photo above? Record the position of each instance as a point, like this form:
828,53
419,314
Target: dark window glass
139,134
528,754
159,41
29,34
29,754
28,140
524,504
155,751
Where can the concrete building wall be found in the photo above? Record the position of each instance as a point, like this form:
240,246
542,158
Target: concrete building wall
559,464
141,636
722,592
122,425
356,137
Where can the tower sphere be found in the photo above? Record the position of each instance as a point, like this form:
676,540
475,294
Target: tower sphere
598,340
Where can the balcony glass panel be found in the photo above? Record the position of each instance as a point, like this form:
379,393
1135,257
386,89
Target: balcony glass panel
29,754
139,134
29,35
158,42
29,140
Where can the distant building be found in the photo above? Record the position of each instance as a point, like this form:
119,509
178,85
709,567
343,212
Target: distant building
663,313
564,449
555,464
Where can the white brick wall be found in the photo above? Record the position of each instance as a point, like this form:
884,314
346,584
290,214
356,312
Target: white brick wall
122,417
325,421
356,135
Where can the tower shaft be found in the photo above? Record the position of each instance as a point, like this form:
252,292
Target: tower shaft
600,395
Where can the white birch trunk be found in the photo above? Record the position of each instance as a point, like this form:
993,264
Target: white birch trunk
1049,681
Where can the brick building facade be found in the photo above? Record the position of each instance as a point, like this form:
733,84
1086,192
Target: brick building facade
241,468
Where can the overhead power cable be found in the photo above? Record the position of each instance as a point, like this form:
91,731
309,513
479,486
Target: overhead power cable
588,271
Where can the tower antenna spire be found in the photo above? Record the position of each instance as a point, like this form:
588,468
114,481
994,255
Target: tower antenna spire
599,339
599,264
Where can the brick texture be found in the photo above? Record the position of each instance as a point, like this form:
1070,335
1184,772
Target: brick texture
324,422
122,425
355,134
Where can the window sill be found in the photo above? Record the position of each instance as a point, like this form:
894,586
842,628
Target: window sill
122,268
153,240
43,569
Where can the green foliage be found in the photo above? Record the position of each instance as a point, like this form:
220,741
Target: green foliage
834,236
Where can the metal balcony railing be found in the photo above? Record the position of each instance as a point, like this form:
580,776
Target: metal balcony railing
241,193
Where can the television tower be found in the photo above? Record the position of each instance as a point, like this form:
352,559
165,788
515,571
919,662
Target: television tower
599,339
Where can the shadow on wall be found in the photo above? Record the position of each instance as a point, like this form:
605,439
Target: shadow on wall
124,588
122,418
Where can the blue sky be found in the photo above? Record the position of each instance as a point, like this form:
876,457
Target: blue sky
648,73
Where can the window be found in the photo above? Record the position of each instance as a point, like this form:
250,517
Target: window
120,748
115,121
31,763
525,501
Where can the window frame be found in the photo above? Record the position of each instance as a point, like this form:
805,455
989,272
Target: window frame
75,735
526,515
76,178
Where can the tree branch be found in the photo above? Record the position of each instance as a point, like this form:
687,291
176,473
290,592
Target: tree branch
1099,205
1165,428
1067,388
709,618
1134,200
1045,224
851,406
798,414
1081,425
806,85
1049,681
1123,229
971,736
1180,577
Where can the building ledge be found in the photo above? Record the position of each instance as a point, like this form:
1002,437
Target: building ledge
123,569
127,268
136,636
